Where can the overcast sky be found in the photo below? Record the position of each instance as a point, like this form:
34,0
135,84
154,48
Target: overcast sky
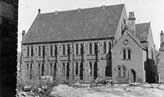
145,11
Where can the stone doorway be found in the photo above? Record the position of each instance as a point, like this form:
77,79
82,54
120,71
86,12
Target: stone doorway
132,76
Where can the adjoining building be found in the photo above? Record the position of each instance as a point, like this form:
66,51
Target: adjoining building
8,46
85,44
161,58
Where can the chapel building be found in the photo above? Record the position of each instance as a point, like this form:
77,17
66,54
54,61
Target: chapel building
85,44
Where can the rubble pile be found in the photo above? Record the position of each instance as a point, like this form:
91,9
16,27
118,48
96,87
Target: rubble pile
82,90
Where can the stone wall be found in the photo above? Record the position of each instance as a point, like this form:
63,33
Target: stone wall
82,60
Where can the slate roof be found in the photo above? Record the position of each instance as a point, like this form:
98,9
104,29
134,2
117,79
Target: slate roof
89,23
142,30
98,22
136,40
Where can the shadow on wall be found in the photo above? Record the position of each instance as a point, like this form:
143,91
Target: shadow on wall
151,71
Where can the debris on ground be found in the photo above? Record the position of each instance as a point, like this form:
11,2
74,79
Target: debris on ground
87,90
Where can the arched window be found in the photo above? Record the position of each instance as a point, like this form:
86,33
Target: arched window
42,69
51,50
77,68
90,48
90,65
77,49
32,52
124,53
31,71
64,50
129,54
110,46
27,67
104,47
39,70
67,72
43,51
63,69
56,51
27,51
50,68
68,50
39,51
95,48
82,49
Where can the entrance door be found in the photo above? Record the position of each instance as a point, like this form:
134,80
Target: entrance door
95,70
132,76
81,71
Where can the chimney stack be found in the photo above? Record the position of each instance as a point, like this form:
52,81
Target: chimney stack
131,23
162,37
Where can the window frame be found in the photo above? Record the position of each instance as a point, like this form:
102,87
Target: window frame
77,49
104,47
90,49
126,54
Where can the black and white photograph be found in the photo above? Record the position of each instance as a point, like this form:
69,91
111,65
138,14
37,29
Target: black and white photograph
82,48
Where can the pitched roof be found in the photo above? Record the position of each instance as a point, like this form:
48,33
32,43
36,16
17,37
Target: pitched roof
142,30
98,22
136,40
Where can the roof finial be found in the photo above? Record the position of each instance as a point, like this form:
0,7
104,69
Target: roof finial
39,10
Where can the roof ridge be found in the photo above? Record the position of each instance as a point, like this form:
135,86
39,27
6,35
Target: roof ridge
83,8
46,26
